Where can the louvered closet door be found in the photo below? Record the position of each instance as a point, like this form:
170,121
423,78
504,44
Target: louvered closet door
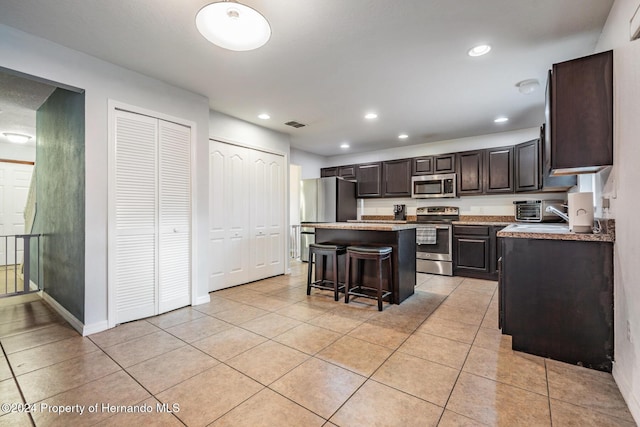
174,216
267,215
136,181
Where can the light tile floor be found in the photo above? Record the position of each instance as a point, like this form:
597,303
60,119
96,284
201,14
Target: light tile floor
266,354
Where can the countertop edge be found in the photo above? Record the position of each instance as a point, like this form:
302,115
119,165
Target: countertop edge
368,226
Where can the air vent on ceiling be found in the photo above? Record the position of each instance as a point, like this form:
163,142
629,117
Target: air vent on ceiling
295,124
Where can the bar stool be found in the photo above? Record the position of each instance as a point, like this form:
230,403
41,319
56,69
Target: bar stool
361,254
325,250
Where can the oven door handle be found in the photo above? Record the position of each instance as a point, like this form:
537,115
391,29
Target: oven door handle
443,227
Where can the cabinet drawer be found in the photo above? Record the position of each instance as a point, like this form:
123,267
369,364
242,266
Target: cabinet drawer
471,230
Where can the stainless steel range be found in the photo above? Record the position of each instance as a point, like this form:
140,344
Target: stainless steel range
434,239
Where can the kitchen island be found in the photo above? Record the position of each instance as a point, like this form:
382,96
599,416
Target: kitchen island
401,237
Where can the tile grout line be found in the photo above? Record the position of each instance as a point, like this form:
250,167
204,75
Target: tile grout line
15,381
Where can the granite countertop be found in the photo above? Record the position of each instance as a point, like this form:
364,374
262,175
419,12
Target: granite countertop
367,226
553,232
464,219
378,221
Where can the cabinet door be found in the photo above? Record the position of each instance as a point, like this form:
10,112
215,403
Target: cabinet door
582,112
444,163
347,172
328,172
527,169
369,177
422,165
472,253
499,170
396,177
470,171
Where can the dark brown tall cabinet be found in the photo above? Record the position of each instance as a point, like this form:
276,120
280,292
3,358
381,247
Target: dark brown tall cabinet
527,166
470,172
499,170
487,171
369,178
396,178
580,114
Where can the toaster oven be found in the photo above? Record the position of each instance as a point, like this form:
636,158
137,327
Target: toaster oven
536,210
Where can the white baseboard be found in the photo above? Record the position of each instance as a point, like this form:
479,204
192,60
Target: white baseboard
627,391
94,328
73,321
204,299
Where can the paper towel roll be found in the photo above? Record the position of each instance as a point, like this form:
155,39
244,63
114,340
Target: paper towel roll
581,212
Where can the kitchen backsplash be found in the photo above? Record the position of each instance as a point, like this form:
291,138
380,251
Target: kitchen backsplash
500,205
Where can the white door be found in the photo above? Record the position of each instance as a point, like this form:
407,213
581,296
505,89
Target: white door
174,216
15,179
229,167
267,215
151,261
246,215
136,200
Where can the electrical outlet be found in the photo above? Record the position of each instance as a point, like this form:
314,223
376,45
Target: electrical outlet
605,203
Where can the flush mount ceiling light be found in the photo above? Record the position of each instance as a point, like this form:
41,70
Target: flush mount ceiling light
233,26
479,50
403,136
371,116
344,145
501,120
264,116
527,86
18,138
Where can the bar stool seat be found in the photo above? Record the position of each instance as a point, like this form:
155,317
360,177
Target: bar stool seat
374,291
326,250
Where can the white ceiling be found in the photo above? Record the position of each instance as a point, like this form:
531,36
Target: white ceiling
330,61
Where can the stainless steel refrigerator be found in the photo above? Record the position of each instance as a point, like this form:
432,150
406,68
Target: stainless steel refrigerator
324,200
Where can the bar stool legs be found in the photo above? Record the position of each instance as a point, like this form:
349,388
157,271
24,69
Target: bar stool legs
375,291
326,251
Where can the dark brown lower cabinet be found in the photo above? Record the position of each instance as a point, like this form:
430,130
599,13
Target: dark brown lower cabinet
475,251
556,299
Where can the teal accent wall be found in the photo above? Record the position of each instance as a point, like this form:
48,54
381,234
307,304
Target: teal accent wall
60,198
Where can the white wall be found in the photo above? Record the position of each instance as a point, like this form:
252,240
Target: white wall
12,151
230,129
441,147
103,81
469,205
622,186
309,162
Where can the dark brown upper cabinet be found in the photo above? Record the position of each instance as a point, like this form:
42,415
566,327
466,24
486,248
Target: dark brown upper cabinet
328,172
346,172
498,176
527,166
422,165
444,163
396,178
470,172
369,177
580,94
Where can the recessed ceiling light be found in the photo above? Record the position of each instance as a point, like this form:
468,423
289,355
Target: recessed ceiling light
264,116
370,116
344,145
501,119
233,26
18,138
479,50
403,136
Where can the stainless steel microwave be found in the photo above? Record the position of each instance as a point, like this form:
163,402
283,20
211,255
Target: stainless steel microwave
433,186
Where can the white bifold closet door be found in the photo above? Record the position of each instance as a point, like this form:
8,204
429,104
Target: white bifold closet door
152,216
246,215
